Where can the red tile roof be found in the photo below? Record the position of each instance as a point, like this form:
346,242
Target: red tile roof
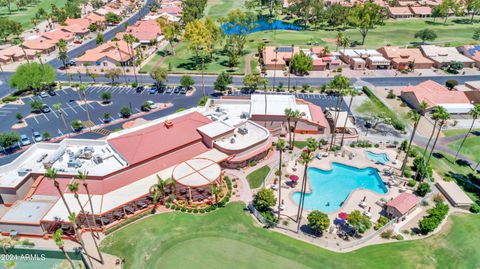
435,94
82,22
157,139
39,44
404,202
108,50
143,30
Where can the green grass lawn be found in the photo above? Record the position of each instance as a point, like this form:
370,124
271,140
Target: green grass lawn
24,16
454,132
300,144
471,147
256,178
228,238
220,8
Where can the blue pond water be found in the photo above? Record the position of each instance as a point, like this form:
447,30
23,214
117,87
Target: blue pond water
261,24
378,157
331,188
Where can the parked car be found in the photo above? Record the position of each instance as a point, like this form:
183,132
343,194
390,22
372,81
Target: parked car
169,90
45,108
177,89
183,90
51,92
72,63
43,94
153,90
161,89
24,140
151,104
37,137
139,89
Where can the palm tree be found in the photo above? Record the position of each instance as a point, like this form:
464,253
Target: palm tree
117,46
62,52
352,94
19,42
57,237
52,175
280,148
415,117
82,176
306,158
73,187
83,90
130,39
296,116
442,115
339,84
72,217
215,191
434,117
158,190
288,113
475,113
58,108
39,57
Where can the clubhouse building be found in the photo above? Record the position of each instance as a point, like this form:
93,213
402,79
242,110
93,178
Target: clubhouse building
190,148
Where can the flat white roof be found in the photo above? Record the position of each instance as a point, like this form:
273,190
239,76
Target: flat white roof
215,128
197,172
243,137
271,104
454,193
28,212
444,54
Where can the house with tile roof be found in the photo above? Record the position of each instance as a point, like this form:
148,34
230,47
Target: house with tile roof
434,94
405,58
472,52
400,12
443,56
109,54
146,31
401,205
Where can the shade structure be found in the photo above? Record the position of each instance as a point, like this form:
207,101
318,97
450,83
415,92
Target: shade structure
343,215
197,172
293,177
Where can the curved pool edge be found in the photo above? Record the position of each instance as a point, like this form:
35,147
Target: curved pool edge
308,189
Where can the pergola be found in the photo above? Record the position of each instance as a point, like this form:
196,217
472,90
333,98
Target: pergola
194,177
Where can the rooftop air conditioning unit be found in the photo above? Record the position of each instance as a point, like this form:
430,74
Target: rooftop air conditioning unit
97,159
243,130
232,140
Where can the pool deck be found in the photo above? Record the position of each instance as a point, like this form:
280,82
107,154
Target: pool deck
360,160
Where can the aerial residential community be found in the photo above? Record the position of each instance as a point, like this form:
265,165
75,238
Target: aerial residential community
239,134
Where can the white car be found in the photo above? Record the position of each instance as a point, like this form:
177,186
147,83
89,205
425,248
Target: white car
43,94
151,104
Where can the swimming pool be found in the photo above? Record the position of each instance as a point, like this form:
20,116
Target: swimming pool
378,157
261,24
329,189
27,258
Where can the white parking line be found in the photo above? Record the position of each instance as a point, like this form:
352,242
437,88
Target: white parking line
128,90
63,90
54,113
72,108
64,112
35,118
138,110
90,105
45,116
59,132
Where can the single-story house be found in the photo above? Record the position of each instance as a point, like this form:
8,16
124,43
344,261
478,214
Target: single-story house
278,58
364,58
472,52
110,54
405,58
16,53
323,60
434,94
40,44
401,205
443,56
145,31
421,11
400,12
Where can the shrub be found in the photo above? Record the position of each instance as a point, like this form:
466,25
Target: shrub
403,145
423,188
399,237
202,210
376,145
318,221
189,210
381,222
412,182
264,199
167,205
408,173
387,234
183,209
475,208
438,198
9,99
435,216
195,210
391,94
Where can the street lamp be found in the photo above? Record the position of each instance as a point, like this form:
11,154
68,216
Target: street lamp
290,68
275,68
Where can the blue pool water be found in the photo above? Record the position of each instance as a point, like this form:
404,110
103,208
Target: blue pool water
27,258
261,24
329,189
378,157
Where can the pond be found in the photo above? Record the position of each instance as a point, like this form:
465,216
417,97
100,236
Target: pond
261,24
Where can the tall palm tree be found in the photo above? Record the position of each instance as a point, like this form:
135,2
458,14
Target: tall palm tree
339,84
72,217
52,175
83,90
82,177
57,237
280,148
117,46
415,117
39,57
19,42
296,116
306,158
130,39
73,187
352,94
158,191
58,108
443,116
62,52
215,191
288,113
475,113
435,118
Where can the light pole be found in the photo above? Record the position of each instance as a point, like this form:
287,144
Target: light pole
290,68
275,68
